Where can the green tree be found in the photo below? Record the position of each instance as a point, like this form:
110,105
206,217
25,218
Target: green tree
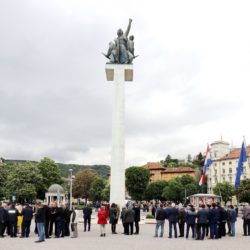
179,188
243,191
137,179
24,181
106,193
154,190
96,190
4,171
50,174
173,191
226,190
82,183
199,160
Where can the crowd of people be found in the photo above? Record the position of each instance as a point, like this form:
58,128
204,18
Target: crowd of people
211,221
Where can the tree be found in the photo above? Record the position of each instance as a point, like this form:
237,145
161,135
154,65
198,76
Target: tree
96,190
137,179
82,183
4,170
24,181
243,191
50,174
106,193
181,187
173,191
154,190
199,160
225,190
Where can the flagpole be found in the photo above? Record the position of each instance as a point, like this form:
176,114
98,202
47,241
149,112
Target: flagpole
246,149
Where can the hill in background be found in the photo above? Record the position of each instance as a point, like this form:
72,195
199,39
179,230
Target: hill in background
102,170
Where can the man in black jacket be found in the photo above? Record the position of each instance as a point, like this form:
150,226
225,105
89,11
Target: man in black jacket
3,219
202,220
172,214
12,215
40,220
137,217
27,214
160,221
87,211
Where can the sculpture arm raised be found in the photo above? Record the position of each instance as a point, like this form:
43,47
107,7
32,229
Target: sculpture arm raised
129,26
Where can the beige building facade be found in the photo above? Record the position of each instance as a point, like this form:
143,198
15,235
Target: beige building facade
224,164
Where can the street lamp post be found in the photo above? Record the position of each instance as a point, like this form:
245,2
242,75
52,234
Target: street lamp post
70,192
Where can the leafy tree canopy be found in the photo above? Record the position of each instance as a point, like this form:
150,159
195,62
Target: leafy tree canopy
96,189
226,190
243,191
137,179
82,183
154,190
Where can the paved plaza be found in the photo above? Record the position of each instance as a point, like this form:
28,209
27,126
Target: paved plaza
145,240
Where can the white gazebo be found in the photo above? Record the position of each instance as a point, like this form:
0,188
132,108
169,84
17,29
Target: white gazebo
55,193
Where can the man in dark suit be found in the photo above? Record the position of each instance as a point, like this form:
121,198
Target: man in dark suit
27,214
87,211
137,217
172,215
3,219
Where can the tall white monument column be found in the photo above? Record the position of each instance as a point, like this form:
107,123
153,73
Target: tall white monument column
118,73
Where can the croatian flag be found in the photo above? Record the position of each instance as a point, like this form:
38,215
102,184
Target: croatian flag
207,163
242,159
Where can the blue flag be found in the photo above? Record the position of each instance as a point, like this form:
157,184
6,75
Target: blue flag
242,159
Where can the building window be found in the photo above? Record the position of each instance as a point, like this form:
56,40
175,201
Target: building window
230,179
215,180
230,170
223,163
223,171
224,179
215,171
215,164
230,163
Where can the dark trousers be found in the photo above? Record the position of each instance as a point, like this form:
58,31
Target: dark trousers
13,228
172,225
113,227
127,227
60,229
26,228
137,227
46,228
87,221
1,229
207,229
51,223
229,227
66,230
201,231
246,226
213,230
222,229
6,227
181,228
193,230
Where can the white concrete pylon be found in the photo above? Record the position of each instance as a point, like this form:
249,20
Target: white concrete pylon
119,73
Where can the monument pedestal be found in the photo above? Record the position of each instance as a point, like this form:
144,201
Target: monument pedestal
119,73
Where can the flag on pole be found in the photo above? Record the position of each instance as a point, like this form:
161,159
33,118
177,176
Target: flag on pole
207,163
242,159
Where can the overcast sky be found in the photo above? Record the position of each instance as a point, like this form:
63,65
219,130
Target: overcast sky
191,80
